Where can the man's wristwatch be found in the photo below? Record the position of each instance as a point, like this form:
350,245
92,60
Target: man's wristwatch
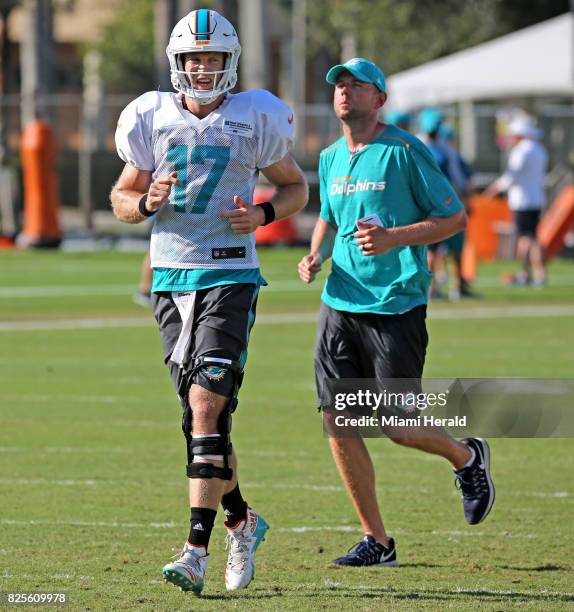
143,209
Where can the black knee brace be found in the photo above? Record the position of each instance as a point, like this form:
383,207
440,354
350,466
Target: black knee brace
215,445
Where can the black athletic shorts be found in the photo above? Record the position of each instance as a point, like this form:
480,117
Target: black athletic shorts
222,319
526,222
351,345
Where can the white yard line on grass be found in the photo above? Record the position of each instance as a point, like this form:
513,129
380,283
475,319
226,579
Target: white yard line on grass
94,483
74,324
325,488
482,534
77,399
295,487
502,312
98,449
294,529
278,286
43,522
557,494
48,291
62,449
168,525
483,312
66,291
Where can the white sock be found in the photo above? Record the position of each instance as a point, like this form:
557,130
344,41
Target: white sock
200,550
472,458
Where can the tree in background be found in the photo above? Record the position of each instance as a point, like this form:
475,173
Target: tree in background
127,49
408,33
398,34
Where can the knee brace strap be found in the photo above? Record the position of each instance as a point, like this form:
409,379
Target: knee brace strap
208,470
203,446
213,445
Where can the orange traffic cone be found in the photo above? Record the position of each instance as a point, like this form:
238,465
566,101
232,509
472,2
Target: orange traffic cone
38,151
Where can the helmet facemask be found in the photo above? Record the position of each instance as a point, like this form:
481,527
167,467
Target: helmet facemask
223,80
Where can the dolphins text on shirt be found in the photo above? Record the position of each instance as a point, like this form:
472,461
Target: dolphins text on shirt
347,188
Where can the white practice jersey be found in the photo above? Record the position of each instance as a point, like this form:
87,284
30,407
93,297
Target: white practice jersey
215,158
524,177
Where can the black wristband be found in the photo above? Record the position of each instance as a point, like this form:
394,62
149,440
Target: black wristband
142,207
269,211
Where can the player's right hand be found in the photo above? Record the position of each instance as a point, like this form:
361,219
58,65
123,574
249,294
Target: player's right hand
159,190
308,267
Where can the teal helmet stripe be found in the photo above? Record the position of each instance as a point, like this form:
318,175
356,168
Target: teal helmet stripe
202,25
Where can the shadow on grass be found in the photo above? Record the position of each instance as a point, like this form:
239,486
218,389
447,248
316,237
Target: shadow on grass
426,565
370,593
549,567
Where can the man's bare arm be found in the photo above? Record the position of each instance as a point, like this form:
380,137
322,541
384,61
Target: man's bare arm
292,191
132,185
376,240
291,196
322,242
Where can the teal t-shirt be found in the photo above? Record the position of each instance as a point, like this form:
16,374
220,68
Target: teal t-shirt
395,177
181,279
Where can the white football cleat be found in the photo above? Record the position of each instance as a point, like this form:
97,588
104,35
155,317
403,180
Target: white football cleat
242,542
188,571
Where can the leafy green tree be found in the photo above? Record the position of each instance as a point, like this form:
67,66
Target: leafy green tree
401,34
127,49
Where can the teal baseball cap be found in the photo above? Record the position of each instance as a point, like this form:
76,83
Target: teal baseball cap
430,120
360,68
396,117
446,132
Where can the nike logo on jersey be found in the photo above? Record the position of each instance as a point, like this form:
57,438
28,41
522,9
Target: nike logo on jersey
290,120
448,201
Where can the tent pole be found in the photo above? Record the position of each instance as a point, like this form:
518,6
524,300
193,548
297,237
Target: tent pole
467,129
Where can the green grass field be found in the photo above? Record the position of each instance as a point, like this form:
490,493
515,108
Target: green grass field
92,486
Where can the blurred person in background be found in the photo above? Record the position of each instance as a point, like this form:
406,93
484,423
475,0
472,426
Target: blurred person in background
460,173
524,182
143,295
400,119
459,169
430,125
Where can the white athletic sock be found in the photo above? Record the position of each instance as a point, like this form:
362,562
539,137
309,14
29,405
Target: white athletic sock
200,550
472,458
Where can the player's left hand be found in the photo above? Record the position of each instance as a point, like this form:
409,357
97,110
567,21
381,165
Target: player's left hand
373,239
246,218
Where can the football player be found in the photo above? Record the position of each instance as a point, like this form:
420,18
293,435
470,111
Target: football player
192,161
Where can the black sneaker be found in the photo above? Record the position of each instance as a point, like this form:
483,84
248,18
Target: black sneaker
466,291
475,483
369,552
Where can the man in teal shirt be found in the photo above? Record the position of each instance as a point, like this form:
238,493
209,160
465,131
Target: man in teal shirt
385,198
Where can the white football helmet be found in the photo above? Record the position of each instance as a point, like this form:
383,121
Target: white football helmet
203,31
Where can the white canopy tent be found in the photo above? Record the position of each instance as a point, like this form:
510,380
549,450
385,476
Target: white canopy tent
535,61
